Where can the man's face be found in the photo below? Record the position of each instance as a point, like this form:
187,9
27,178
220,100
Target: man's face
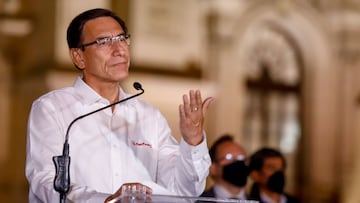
271,165
103,64
227,153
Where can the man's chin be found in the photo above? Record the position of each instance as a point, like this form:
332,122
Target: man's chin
122,76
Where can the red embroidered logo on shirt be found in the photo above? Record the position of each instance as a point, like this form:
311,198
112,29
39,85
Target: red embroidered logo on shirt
141,144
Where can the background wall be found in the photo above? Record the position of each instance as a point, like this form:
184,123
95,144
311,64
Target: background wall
179,45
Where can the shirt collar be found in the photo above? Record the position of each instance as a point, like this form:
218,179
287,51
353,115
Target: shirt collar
221,192
86,92
89,95
267,199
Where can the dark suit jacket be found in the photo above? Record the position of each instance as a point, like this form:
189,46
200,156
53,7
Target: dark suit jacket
208,193
255,195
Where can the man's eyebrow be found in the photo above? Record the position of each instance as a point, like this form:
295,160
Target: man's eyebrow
98,38
123,33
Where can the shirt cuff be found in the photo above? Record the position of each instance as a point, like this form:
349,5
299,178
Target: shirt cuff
194,153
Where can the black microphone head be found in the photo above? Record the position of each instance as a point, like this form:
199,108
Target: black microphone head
137,86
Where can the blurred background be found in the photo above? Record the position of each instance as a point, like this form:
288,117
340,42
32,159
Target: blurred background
284,73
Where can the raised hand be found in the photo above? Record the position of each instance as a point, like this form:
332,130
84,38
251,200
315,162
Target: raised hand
192,115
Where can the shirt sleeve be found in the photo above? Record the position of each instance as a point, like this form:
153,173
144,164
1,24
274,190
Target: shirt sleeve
196,160
182,168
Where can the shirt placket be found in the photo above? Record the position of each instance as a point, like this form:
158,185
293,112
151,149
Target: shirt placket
117,138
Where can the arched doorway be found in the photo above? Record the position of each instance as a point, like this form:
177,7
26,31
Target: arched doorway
317,84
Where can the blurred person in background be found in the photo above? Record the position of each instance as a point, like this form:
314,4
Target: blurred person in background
267,170
228,169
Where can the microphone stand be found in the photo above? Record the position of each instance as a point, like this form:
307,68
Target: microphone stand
62,162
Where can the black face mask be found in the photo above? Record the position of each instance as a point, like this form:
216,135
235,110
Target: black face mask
236,173
276,182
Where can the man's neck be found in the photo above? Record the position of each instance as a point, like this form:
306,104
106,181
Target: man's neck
109,91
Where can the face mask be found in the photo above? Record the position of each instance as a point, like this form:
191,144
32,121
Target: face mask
236,173
276,182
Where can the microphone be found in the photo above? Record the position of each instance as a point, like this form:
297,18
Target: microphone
62,162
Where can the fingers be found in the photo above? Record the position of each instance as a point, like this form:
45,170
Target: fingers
193,103
182,111
195,100
148,190
128,189
206,104
135,187
192,115
193,109
198,98
186,105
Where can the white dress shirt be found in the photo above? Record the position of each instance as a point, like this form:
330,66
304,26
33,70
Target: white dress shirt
223,193
107,149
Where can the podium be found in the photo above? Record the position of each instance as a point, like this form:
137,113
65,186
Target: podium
141,198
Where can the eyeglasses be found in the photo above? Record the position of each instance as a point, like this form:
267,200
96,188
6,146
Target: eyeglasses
109,41
232,157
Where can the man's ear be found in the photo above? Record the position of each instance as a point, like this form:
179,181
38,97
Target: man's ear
212,169
255,175
77,57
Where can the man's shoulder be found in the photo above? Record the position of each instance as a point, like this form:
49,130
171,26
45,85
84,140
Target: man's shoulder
56,94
